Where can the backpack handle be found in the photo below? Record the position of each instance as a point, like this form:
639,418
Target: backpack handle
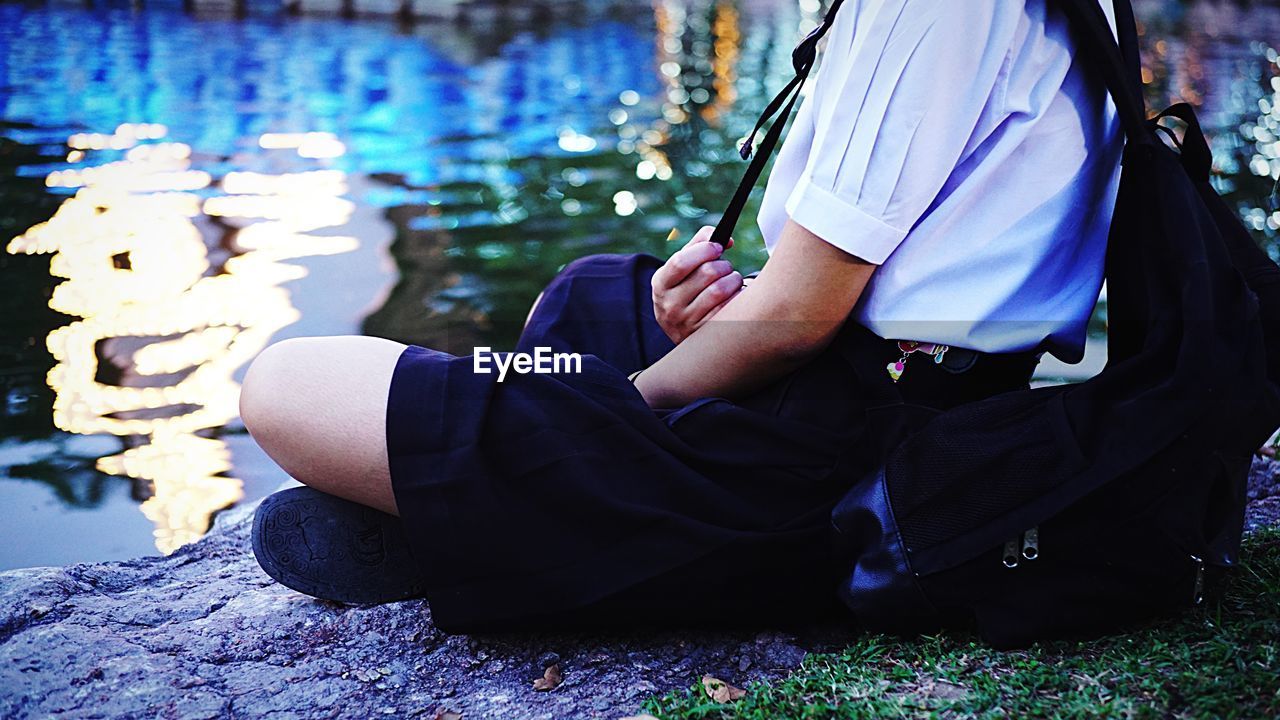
1118,63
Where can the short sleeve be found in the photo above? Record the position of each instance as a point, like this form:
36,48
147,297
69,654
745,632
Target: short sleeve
899,96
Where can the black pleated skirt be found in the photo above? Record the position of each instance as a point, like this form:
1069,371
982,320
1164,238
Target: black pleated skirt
562,500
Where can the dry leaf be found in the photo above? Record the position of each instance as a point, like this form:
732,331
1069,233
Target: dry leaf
550,679
721,691
448,715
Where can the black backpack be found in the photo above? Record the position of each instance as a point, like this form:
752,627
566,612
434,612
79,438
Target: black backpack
1075,509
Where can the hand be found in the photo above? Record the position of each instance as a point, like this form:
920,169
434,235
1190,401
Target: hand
692,286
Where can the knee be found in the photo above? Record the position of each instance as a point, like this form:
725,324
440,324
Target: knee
605,266
594,264
266,384
564,285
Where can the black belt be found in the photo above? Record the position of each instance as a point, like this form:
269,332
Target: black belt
962,375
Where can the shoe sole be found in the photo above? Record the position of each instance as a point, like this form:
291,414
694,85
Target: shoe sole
334,549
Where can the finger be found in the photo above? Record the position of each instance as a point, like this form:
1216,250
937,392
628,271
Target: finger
673,304
704,235
684,261
709,316
683,294
714,297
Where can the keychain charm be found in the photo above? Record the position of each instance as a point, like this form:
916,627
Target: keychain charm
907,347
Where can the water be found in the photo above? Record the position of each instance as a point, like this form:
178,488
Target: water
177,192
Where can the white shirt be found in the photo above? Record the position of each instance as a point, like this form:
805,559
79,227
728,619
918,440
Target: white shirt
960,147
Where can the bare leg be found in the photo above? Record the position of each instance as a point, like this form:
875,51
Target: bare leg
318,407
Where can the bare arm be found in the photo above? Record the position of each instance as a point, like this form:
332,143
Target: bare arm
792,311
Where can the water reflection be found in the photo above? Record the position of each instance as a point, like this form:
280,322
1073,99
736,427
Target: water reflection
181,183
472,253
162,330
1217,56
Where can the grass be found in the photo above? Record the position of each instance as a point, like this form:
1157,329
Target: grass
1220,661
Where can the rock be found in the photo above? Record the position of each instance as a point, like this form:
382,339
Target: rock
1262,513
1263,492
204,633
1264,479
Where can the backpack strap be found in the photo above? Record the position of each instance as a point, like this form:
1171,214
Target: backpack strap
802,59
1118,64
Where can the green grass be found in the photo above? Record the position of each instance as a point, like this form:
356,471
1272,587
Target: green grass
1219,661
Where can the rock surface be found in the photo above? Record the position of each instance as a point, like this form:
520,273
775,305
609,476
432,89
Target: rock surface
1263,509
204,633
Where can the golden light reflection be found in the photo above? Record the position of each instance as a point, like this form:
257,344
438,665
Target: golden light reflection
125,136
307,145
670,20
724,61
687,48
161,330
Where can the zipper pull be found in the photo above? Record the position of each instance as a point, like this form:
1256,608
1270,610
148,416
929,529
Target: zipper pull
1031,544
1011,553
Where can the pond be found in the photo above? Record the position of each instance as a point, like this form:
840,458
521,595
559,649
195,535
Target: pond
178,191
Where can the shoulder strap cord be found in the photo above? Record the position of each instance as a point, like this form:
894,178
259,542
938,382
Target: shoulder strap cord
1118,64
802,59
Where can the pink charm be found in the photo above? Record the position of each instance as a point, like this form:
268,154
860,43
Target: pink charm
895,369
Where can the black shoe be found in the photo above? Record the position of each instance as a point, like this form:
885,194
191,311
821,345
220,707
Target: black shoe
334,549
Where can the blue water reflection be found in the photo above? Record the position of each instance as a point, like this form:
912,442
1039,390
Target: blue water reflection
401,102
